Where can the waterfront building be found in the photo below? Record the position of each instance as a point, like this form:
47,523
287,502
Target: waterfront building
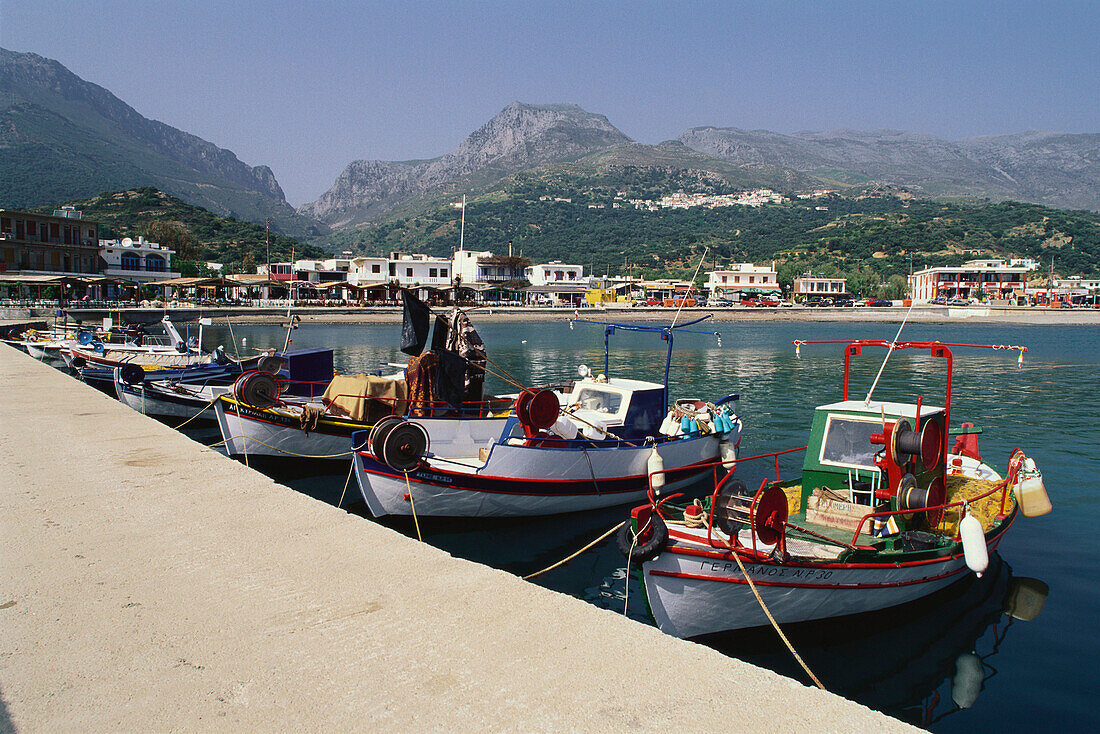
819,286
63,243
136,260
742,279
554,273
979,279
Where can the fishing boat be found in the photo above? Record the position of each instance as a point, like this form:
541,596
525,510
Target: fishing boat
593,442
95,354
886,510
313,415
190,392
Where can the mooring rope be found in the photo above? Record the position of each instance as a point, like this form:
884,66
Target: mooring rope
775,624
570,557
416,521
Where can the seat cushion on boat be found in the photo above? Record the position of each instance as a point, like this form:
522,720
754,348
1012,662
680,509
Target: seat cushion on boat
366,398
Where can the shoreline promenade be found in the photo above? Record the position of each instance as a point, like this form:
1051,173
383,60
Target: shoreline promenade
149,583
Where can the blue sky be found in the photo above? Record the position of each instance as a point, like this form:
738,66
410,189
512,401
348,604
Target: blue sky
308,87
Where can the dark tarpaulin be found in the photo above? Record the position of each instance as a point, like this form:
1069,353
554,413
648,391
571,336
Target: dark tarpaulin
414,325
439,334
450,384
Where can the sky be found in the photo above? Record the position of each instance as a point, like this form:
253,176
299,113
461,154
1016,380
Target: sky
306,88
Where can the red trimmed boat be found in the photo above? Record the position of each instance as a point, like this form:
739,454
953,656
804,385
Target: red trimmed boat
885,511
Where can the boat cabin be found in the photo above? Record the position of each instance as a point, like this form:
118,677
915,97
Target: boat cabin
873,456
629,409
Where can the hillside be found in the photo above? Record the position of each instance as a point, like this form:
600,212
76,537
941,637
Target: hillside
196,234
878,234
63,137
1056,169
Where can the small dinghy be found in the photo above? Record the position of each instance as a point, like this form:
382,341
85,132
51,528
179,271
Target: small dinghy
886,510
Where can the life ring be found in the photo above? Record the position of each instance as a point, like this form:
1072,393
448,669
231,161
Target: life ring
650,543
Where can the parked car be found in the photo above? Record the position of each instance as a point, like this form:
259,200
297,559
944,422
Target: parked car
815,302
750,301
770,301
939,301
879,303
959,302
844,302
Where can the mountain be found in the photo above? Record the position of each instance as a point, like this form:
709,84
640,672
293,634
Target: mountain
1056,169
62,137
520,137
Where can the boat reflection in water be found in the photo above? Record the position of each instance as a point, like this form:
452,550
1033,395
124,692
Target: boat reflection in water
919,662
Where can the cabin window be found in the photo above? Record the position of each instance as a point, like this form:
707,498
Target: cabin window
376,268
600,401
848,442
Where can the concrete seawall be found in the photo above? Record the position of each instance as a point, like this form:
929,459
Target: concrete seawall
149,583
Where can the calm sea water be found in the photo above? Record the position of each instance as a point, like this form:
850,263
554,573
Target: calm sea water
905,661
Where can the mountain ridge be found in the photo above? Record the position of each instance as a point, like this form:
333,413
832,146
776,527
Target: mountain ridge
138,151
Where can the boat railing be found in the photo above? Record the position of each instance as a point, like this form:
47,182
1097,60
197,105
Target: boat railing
726,466
1001,486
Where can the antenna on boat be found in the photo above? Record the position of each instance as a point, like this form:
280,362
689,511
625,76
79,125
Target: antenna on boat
867,400
683,300
462,228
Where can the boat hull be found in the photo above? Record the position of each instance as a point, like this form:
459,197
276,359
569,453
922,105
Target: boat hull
695,590
532,480
161,402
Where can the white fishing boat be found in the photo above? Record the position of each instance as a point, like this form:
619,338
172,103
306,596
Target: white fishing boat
885,512
595,442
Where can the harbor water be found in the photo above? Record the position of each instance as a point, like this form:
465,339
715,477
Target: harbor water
956,661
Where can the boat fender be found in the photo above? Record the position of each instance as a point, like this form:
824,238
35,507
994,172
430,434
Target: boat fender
967,683
687,425
973,540
728,452
649,544
1029,489
655,467
131,374
668,425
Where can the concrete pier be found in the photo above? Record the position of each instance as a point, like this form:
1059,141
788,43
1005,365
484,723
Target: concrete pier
148,583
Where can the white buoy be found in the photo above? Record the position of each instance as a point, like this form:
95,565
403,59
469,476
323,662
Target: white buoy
973,540
669,424
244,340
655,466
728,452
967,683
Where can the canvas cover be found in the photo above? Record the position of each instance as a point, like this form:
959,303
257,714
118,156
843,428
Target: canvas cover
366,398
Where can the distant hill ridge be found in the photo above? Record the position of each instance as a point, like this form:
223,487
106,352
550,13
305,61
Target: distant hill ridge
520,137
1056,169
73,137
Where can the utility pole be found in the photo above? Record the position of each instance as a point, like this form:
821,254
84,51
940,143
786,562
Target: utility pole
267,239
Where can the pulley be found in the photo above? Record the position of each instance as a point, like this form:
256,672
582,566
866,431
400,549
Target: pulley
404,446
913,498
377,436
765,512
131,374
271,364
905,443
257,389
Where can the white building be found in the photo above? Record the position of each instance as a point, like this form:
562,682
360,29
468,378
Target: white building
419,270
1024,262
368,270
555,273
979,279
743,278
138,260
465,264
819,286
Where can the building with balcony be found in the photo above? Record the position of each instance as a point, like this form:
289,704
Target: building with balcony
742,279
138,260
63,243
978,279
555,273
418,270
818,286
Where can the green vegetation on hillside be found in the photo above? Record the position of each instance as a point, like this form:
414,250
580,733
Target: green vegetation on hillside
869,239
195,234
